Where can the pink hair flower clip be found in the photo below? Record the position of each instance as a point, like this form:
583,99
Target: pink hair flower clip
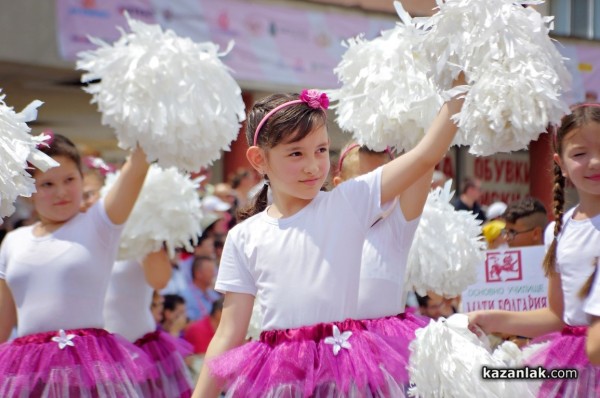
315,98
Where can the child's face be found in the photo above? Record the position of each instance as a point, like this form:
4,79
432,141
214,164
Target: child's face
580,160
299,169
91,190
59,191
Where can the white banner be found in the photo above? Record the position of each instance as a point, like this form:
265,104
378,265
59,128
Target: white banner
511,280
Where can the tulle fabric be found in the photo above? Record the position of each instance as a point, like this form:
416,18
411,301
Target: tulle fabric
299,363
99,364
167,353
567,351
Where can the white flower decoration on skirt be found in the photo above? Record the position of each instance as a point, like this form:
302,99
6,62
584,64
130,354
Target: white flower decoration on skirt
338,340
64,339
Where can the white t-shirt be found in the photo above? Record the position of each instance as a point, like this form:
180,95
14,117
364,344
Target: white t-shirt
578,246
384,257
127,302
592,303
305,269
58,281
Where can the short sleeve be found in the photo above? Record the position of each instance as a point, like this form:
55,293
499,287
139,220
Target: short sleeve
234,272
108,232
363,195
592,303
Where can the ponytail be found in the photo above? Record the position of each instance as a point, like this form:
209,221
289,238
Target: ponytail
587,286
259,203
549,264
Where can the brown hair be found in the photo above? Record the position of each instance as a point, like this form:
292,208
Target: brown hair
350,157
289,124
580,116
59,145
587,286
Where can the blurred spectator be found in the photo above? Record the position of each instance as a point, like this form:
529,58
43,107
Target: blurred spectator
469,198
495,211
492,232
200,333
157,307
174,317
242,182
199,295
526,220
433,306
181,275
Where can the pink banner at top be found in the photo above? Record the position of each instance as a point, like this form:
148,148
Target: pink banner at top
273,44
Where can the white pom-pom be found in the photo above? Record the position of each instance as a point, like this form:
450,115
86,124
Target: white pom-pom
17,147
446,361
516,73
447,247
168,210
386,98
173,97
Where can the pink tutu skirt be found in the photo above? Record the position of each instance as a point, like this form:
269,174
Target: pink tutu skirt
567,351
167,353
80,363
328,360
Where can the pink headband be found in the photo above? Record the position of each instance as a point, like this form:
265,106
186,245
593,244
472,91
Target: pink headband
313,98
99,164
351,147
592,104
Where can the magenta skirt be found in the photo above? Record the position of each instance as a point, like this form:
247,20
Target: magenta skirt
79,363
340,359
167,353
567,351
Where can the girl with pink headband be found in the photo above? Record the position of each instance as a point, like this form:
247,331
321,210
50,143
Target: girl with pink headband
300,257
382,294
571,265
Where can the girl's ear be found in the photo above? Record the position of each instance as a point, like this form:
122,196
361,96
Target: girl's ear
558,161
256,157
337,180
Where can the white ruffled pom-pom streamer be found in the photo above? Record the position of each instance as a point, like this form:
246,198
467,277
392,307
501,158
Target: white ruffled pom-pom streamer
172,96
447,247
447,358
17,147
386,98
168,210
516,73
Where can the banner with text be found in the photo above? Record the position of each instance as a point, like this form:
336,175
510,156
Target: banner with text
511,280
277,44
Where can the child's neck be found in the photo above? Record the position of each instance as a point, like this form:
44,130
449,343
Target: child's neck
588,207
282,208
46,227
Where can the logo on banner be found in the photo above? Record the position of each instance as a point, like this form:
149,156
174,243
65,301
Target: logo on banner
503,266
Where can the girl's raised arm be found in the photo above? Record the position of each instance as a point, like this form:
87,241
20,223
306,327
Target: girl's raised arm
119,201
237,310
8,312
404,171
157,269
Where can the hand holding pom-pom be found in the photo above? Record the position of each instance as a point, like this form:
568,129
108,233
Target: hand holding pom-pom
387,99
173,97
168,210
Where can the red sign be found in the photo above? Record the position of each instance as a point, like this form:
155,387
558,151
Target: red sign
503,266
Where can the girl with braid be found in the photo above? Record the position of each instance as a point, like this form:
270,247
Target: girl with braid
573,242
